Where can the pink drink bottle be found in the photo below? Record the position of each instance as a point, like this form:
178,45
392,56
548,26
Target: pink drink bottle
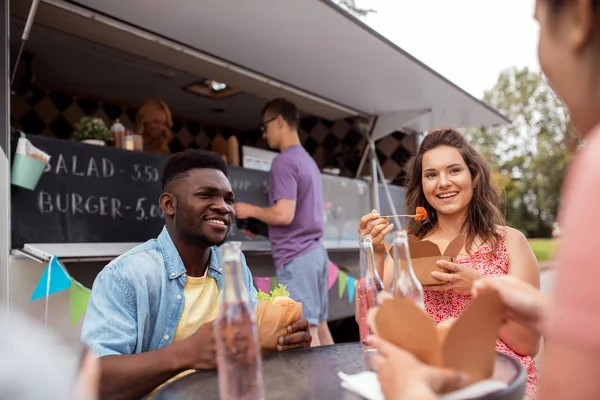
238,351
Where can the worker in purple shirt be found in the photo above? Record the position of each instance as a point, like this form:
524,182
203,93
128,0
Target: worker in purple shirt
295,217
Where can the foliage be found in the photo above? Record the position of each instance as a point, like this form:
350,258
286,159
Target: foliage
530,155
544,249
89,128
352,8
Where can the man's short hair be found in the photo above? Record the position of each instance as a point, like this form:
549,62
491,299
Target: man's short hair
180,163
284,108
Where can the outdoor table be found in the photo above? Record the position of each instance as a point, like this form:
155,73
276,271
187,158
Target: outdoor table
313,374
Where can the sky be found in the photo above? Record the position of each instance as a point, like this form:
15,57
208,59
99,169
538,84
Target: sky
467,41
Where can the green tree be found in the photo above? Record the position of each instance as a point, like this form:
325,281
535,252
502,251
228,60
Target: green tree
532,152
352,8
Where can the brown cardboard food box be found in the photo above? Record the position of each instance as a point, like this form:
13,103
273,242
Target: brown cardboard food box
425,254
466,344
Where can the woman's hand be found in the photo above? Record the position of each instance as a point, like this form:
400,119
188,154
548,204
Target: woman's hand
459,278
403,377
376,226
525,304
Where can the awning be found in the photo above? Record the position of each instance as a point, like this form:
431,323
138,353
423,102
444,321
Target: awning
329,62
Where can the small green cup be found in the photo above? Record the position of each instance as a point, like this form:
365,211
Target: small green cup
26,171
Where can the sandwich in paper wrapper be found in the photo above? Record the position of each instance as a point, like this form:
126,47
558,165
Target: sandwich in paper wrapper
274,313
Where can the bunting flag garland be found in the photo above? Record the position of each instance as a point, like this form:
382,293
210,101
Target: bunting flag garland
345,282
54,279
351,288
342,280
80,296
263,283
332,274
273,283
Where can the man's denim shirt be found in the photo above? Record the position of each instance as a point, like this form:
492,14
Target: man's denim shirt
137,299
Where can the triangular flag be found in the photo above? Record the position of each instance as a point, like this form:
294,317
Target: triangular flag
332,274
58,280
273,283
80,296
351,288
342,280
263,283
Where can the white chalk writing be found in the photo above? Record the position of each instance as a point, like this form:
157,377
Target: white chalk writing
71,165
75,204
145,173
153,212
240,184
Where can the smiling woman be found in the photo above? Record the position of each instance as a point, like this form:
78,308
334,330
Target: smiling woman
452,181
451,178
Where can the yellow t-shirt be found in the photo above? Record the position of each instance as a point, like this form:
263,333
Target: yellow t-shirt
201,305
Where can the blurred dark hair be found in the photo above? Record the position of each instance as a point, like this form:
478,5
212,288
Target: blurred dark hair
557,6
284,108
484,214
180,163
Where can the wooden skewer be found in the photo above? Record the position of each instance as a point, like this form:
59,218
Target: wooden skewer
394,216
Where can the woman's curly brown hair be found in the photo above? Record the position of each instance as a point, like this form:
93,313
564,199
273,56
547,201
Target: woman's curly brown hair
484,214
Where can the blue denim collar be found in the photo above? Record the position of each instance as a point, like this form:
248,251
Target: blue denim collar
174,263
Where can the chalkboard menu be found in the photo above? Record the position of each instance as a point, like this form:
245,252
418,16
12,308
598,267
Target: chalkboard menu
92,194
95,194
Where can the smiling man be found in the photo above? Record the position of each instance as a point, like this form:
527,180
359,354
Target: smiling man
150,314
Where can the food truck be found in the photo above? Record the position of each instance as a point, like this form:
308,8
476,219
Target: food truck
364,105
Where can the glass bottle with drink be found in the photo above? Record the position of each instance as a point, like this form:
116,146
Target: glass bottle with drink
404,281
368,287
238,351
118,131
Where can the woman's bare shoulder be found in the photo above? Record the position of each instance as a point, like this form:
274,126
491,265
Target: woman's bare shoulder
509,233
512,233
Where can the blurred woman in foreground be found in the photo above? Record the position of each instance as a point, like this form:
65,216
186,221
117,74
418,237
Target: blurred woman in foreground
569,53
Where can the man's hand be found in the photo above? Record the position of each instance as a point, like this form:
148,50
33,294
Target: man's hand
244,210
201,347
403,377
459,278
298,336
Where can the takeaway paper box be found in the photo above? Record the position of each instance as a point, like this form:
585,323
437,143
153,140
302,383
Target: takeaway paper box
425,254
466,344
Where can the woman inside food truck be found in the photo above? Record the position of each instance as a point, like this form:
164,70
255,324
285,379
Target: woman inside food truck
153,121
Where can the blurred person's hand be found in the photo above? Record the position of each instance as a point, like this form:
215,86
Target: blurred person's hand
87,384
403,377
525,304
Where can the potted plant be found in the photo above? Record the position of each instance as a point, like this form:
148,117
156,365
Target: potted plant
92,130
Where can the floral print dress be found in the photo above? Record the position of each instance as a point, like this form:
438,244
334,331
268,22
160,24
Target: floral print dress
443,305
